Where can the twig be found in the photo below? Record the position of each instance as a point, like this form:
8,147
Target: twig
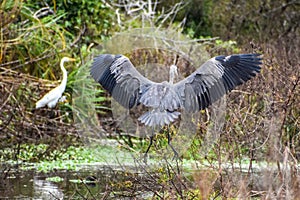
78,38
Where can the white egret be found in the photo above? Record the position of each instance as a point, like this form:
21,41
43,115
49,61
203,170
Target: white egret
51,98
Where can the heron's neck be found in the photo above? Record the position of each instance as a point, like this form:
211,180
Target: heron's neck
171,78
172,75
65,74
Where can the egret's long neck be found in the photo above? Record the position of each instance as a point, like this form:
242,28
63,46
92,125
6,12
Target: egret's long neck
65,74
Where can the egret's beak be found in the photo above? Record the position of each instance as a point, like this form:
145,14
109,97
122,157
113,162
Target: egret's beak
72,59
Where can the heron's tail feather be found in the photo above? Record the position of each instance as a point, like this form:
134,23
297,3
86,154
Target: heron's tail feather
158,118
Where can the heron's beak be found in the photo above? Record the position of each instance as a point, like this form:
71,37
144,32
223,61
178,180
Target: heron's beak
72,59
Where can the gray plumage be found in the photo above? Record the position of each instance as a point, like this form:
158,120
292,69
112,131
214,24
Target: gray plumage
210,82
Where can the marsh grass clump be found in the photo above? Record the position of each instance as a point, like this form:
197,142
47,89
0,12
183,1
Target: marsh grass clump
21,123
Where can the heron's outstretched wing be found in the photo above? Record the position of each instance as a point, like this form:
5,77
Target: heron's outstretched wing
120,78
215,78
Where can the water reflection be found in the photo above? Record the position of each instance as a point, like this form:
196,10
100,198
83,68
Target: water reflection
91,183
45,190
16,184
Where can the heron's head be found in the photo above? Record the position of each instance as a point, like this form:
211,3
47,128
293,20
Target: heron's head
173,73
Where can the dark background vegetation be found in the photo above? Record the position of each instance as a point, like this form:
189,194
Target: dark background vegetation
262,122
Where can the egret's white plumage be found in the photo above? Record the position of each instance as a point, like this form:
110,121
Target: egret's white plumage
51,98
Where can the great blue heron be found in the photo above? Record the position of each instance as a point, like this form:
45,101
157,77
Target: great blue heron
51,98
210,82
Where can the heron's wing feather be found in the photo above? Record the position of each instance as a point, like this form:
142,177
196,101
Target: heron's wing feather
120,78
215,78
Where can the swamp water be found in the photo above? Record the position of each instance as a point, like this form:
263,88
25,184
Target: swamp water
90,182
107,182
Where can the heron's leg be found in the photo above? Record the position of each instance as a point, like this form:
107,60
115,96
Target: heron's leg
145,155
52,113
151,141
169,143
